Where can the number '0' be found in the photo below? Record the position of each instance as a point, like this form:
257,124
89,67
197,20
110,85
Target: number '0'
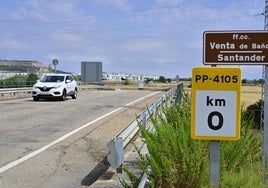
220,122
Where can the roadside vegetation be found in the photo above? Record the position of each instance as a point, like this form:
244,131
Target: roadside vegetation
19,81
174,159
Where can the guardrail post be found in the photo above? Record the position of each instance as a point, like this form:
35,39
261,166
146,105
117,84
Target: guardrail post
162,101
144,119
154,108
116,155
178,95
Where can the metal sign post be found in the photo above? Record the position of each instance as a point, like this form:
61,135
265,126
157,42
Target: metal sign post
214,163
215,110
55,62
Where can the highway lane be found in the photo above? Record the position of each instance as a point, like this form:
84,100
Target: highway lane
27,126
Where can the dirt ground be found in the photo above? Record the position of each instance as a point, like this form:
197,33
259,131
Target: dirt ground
135,85
249,94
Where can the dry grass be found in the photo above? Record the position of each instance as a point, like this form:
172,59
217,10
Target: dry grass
250,95
134,85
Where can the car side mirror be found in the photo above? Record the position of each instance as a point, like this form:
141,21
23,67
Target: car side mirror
68,81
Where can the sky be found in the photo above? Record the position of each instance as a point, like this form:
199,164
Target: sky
149,37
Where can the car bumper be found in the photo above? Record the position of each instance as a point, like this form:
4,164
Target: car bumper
50,94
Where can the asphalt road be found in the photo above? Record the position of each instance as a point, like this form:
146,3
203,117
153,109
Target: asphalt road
57,143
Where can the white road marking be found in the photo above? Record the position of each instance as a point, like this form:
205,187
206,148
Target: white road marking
44,148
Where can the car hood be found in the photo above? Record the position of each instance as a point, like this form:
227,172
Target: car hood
47,84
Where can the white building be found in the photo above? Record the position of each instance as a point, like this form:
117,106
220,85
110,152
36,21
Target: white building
122,76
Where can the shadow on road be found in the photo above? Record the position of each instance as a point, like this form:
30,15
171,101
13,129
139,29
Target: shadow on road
96,173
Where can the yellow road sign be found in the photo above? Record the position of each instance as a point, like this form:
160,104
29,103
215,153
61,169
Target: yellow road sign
215,108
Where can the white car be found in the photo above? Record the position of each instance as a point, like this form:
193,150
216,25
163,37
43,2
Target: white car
55,86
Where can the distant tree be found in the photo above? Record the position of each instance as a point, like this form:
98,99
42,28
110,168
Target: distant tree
244,81
77,77
169,80
147,80
186,79
31,79
15,81
162,79
261,81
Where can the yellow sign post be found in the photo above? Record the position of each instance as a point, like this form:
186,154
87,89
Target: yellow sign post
216,106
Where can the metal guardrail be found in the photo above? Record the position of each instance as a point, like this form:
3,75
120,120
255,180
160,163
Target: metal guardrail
12,93
128,133
15,84
131,130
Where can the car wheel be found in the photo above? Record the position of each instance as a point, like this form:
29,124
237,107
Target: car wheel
74,96
63,97
35,98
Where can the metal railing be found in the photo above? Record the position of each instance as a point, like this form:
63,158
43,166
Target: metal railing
12,93
128,133
5,84
132,129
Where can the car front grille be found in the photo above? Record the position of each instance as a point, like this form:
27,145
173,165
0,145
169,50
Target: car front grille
45,88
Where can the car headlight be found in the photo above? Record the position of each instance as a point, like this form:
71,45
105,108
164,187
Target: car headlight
56,87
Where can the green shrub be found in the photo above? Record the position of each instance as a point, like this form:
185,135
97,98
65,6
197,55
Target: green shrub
254,110
176,160
127,81
246,151
247,176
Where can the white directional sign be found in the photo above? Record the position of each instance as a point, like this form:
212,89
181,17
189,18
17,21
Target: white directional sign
216,107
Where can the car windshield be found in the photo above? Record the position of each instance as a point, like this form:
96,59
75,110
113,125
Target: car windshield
53,79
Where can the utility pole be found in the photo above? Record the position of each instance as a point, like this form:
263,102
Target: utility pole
266,15
265,105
